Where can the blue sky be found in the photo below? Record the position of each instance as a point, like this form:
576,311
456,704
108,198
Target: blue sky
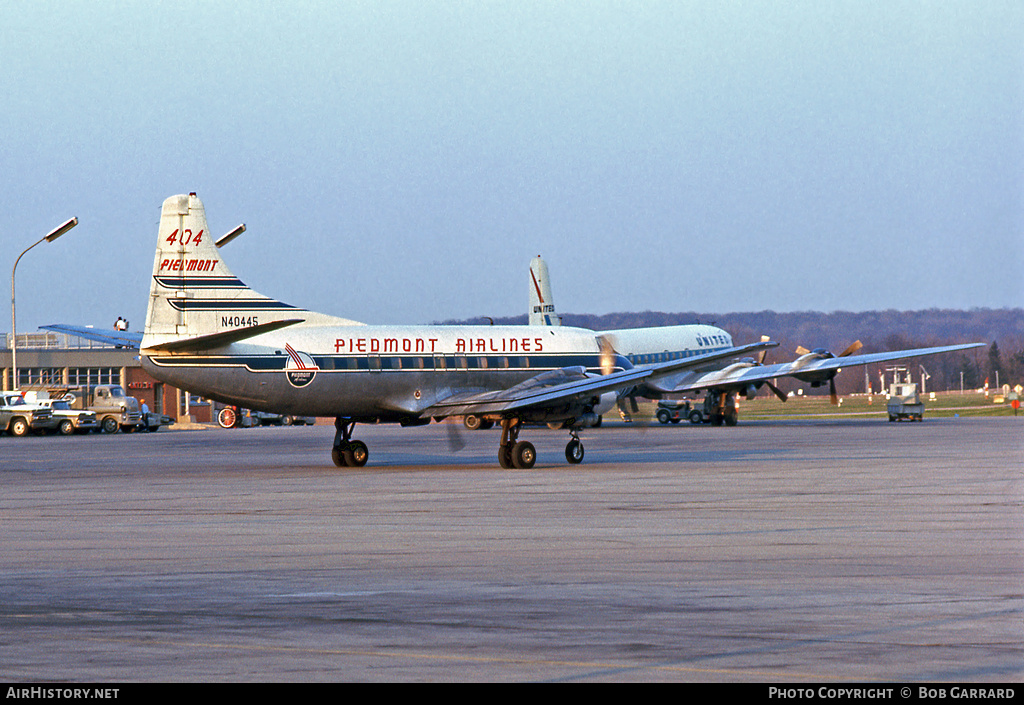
402,162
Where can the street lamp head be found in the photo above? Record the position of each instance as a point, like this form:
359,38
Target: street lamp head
61,229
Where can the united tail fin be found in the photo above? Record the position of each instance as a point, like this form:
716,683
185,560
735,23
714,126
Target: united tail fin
195,302
542,305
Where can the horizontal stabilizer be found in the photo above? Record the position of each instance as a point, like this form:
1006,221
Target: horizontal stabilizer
217,340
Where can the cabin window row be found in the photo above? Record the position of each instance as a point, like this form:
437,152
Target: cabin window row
666,356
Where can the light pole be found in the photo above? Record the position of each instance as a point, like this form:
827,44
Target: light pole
49,237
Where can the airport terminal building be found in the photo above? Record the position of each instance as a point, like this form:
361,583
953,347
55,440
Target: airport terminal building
52,361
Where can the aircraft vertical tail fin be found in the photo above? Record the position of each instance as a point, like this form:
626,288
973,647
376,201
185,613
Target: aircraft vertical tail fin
193,293
542,305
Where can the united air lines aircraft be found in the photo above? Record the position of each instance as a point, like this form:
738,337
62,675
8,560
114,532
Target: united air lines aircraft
644,346
720,382
207,332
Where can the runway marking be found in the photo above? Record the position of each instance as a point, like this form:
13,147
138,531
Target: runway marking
592,665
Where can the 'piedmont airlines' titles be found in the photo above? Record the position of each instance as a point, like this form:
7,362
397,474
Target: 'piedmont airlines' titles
430,345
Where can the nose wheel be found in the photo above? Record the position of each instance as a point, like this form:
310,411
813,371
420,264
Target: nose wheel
346,452
574,448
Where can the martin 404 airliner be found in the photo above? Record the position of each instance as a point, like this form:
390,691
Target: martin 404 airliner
209,333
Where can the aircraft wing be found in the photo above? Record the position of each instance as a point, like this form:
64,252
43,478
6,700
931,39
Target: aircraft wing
107,336
557,388
810,367
548,389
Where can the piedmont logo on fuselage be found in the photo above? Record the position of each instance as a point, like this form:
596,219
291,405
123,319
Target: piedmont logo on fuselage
299,368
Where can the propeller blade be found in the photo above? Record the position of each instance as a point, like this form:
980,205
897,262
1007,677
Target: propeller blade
455,442
832,392
607,355
854,347
778,392
763,355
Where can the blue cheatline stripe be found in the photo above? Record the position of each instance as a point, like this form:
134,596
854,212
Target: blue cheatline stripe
186,282
391,363
342,363
228,305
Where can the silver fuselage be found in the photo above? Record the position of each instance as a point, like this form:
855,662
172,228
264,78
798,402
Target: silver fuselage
385,373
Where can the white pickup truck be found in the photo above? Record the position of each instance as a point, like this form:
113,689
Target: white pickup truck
67,420
18,416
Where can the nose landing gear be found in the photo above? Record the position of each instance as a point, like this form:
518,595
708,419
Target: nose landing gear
346,452
574,449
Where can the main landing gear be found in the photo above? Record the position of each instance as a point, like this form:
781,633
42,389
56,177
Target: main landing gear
513,453
720,407
346,452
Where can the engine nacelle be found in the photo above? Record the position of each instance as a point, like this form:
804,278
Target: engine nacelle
606,403
586,420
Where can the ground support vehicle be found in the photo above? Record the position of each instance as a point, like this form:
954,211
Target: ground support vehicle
153,422
267,418
18,417
696,416
114,409
235,417
905,403
672,411
712,410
